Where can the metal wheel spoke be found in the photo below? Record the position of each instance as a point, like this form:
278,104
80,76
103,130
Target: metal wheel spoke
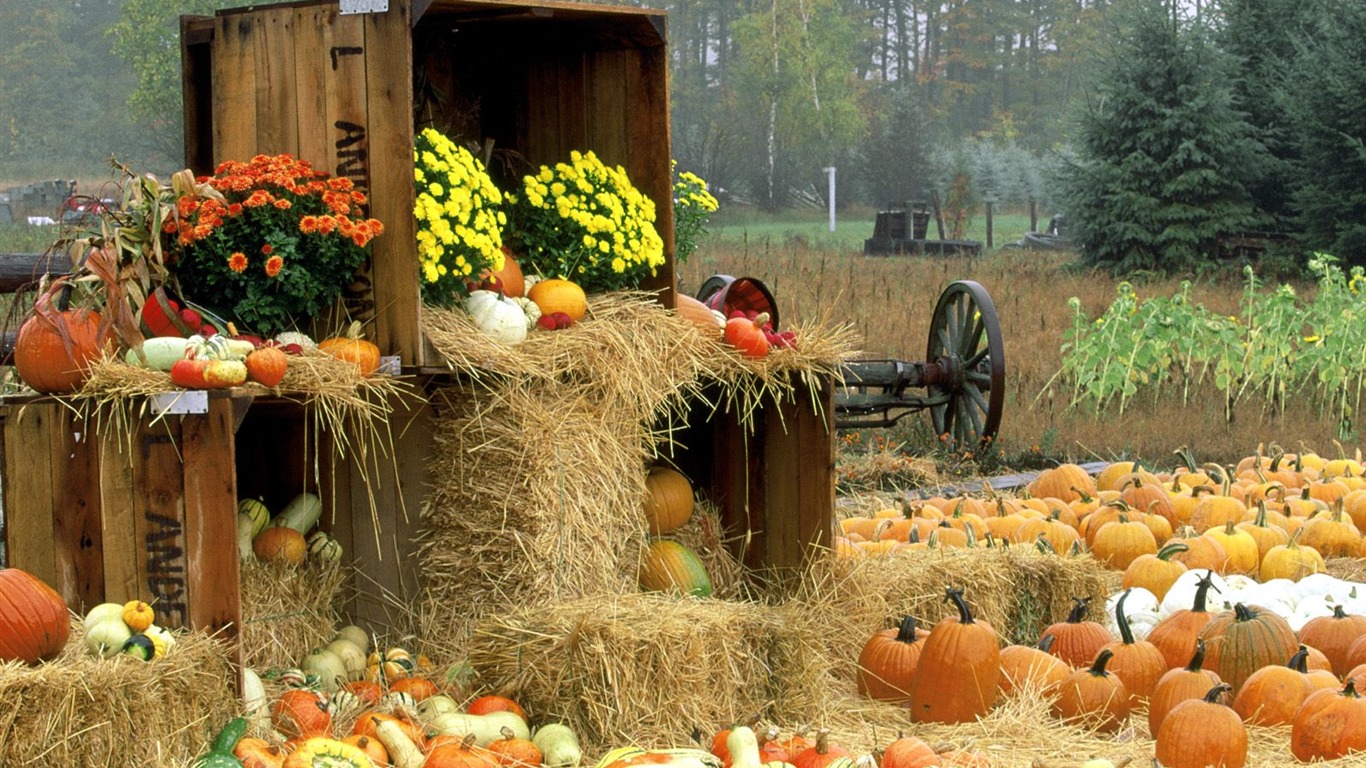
979,378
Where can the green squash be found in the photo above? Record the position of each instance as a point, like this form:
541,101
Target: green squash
667,566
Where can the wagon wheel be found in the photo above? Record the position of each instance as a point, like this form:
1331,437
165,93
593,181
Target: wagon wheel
969,380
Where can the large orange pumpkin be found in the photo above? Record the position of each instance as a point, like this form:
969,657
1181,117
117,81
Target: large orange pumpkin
1242,641
510,278
1202,732
34,625
1329,725
54,350
959,673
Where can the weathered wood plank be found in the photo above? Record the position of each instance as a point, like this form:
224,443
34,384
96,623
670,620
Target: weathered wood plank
118,515
650,159
29,502
276,87
77,536
311,67
158,476
213,580
393,265
234,92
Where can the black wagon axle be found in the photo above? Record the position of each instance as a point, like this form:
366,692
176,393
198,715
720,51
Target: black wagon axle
963,375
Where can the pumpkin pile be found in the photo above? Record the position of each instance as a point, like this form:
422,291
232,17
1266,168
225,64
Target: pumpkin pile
668,565
351,706
112,629
508,305
289,537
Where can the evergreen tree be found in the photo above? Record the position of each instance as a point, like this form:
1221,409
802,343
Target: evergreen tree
1163,158
1262,36
897,158
1328,117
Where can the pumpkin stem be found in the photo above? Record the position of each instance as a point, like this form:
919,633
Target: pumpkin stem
1078,613
964,614
1045,643
1338,612
1098,667
1045,546
1198,658
1126,634
1300,661
1351,688
1213,694
1202,589
354,331
1171,550
1242,613
906,633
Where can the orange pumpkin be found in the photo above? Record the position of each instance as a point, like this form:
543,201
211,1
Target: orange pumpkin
669,500
266,366
514,752
1093,696
959,673
353,349
278,544
1334,635
510,279
492,702
1077,640
54,350
300,712
420,688
887,663
1178,685
373,748
1202,732
1242,641
555,295
1329,725
1032,668
34,625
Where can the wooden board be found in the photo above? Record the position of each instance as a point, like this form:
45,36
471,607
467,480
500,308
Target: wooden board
78,538
213,579
29,500
277,93
159,523
234,88
118,515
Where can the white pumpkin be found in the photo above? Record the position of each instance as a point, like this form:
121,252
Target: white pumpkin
103,612
327,666
1181,596
497,316
530,308
106,638
438,704
1140,609
352,657
356,635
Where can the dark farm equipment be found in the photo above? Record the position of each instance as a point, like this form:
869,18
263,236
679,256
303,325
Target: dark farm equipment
963,373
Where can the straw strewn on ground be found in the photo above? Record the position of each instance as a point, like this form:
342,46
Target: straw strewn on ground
80,711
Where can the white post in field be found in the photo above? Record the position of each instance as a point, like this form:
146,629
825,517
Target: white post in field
830,173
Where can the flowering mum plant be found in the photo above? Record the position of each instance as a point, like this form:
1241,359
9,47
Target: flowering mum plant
693,203
459,218
585,222
271,242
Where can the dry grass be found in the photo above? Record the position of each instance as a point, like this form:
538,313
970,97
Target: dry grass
889,302
80,711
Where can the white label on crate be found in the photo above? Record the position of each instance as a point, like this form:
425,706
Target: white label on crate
181,402
390,364
363,6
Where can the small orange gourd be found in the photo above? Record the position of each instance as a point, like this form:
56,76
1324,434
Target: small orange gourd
353,349
669,500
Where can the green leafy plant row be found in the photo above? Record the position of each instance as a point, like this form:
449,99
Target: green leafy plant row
1279,347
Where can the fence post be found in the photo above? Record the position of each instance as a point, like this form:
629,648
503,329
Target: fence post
1033,215
990,202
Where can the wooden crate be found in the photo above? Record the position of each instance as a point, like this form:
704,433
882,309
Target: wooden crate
535,79
105,517
110,518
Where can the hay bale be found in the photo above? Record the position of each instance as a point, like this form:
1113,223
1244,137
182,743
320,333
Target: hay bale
624,669
1018,590
540,452
288,611
79,711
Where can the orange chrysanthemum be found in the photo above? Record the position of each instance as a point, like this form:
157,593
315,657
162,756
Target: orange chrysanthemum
237,262
273,266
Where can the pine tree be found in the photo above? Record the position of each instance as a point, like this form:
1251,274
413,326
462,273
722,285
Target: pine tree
897,162
1328,117
1262,37
1163,158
